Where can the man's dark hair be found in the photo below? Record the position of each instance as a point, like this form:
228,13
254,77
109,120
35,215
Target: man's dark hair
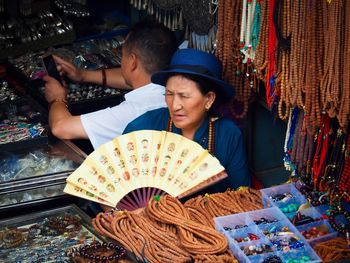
153,43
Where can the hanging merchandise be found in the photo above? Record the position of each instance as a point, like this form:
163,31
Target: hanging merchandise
200,23
167,12
238,74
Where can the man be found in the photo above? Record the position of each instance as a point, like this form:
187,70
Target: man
148,48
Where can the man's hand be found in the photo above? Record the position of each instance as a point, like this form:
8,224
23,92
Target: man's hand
53,89
68,69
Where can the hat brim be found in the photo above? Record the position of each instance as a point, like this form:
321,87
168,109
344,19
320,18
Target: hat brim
161,78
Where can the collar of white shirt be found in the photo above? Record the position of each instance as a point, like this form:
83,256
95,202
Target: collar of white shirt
147,90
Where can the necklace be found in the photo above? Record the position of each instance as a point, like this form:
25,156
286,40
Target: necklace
211,134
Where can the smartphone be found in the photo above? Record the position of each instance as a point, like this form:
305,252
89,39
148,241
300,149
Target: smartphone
51,68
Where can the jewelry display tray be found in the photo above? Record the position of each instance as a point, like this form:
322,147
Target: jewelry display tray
298,199
31,191
24,104
227,226
42,244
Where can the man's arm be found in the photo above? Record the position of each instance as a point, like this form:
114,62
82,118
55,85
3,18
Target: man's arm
114,77
62,123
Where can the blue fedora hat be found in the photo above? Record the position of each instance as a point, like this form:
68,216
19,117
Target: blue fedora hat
195,62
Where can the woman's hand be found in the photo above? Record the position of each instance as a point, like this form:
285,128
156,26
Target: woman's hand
68,69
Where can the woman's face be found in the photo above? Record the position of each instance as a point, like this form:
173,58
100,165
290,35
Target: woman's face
187,105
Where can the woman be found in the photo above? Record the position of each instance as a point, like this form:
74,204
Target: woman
194,90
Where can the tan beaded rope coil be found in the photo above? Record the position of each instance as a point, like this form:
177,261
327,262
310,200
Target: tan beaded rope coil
167,231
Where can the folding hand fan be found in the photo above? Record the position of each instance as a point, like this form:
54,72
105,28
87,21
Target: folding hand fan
127,171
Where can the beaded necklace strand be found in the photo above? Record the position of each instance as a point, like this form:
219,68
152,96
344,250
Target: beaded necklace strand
344,109
211,135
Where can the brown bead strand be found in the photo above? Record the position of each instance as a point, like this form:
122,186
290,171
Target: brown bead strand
332,59
344,108
229,54
261,57
194,237
284,102
168,222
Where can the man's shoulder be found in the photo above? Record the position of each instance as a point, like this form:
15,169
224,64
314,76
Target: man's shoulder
150,89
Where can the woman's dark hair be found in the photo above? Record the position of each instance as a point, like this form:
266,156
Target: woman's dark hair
205,86
153,43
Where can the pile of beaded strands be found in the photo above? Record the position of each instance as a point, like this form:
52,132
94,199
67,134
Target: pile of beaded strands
167,231
333,250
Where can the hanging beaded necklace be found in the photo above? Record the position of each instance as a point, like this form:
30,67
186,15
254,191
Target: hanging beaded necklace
261,59
235,72
344,108
211,135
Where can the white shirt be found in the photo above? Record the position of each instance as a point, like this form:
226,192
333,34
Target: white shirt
104,125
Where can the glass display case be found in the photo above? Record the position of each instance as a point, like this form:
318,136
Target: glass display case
48,236
35,176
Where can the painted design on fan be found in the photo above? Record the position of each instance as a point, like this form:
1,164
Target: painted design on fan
203,167
133,159
110,170
162,172
121,164
135,172
167,159
178,163
126,175
144,143
154,170
144,172
183,185
93,171
170,177
186,169
116,152
184,153
78,189
194,176
101,179
110,188
145,157
171,147
92,188
130,146
142,163
82,181
103,159
89,194
103,194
